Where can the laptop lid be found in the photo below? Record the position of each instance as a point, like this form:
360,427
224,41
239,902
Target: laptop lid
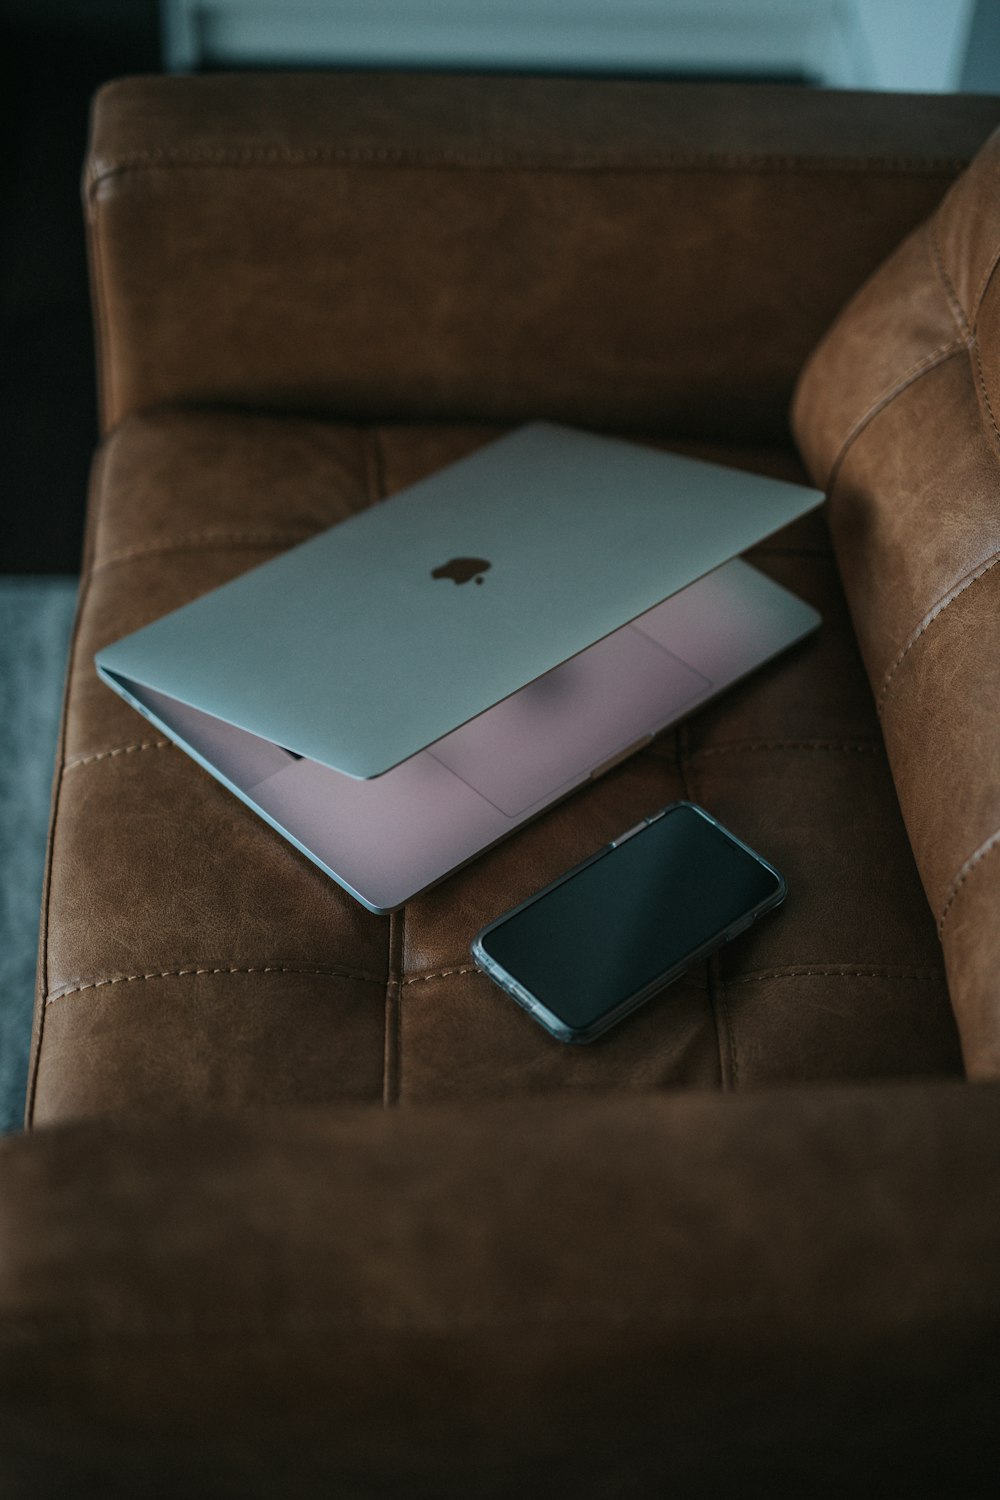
372,640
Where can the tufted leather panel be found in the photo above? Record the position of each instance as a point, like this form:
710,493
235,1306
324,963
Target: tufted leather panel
896,413
191,958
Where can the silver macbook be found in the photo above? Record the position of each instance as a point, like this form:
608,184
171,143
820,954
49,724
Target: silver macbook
404,690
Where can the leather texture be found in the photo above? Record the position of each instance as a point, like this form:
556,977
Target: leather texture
561,1271
896,413
247,233
632,256
192,959
792,1293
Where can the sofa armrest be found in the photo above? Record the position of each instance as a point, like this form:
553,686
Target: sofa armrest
632,254
792,1291
896,414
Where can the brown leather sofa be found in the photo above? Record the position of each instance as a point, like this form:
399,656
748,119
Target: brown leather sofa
307,1206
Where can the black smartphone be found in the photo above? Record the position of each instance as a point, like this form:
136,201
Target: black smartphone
607,935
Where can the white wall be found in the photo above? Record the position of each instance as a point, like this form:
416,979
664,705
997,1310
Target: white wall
917,45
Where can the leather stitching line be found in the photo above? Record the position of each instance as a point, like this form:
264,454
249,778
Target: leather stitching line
840,971
966,870
987,277
982,386
106,384
87,760
166,158
214,538
327,972
741,747
923,365
440,974
331,972
957,310
928,621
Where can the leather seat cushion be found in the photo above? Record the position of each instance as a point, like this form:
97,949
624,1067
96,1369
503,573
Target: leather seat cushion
192,959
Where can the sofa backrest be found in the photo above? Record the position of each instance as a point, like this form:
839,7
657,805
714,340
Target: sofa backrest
897,415
641,255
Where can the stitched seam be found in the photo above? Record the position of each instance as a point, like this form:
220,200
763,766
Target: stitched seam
167,158
440,974
740,747
328,971
88,760
928,621
106,393
987,277
923,366
971,864
982,386
214,538
840,971
957,310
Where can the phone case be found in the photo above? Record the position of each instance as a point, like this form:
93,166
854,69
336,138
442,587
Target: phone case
552,1023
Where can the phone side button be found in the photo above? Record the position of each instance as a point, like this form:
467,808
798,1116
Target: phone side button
629,833
521,995
510,987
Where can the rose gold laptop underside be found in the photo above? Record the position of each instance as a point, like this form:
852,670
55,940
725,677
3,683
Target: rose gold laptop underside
387,838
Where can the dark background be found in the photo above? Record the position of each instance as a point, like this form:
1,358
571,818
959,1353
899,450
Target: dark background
52,58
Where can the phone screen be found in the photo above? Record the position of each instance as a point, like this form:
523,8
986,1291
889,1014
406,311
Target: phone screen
636,913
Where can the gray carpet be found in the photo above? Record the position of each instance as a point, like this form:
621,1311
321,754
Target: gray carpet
35,619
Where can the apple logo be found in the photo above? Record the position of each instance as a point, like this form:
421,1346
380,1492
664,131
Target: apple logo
461,569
